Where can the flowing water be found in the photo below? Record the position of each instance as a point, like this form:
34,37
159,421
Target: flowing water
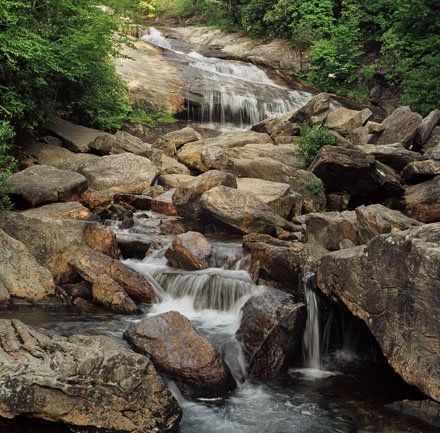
330,394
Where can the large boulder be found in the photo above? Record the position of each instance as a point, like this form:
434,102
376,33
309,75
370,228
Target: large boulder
425,129
344,121
177,349
313,113
242,211
432,145
42,184
89,383
92,265
20,274
125,173
377,219
301,181
71,210
422,201
186,199
393,155
170,143
120,142
271,332
420,171
52,242
190,251
400,127
279,196
393,284
76,138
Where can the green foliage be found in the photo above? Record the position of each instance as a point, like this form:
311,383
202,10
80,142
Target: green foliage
311,140
314,185
151,119
7,163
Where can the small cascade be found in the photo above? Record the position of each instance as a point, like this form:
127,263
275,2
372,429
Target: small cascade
154,37
233,355
312,337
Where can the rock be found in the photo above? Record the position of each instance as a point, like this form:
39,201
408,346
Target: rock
111,295
165,164
393,155
433,142
20,274
337,202
242,211
376,219
98,201
190,251
82,290
270,332
345,121
76,138
91,265
186,199
300,181
41,184
420,171
428,410
77,162
120,142
314,113
52,241
400,127
163,203
425,128
132,245
359,136
422,201
279,196
393,284
89,383
61,211
330,229
170,143
176,348
175,180
125,173
374,127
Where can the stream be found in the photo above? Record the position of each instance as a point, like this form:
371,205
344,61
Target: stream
340,391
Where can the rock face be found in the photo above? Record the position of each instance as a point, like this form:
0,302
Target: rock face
190,251
242,211
92,265
422,201
20,274
41,184
271,333
89,383
120,142
393,284
177,349
126,173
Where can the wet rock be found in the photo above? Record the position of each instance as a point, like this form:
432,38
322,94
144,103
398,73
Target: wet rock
71,291
186,199
175,180
163,203
124,173
120,142
132,245
425,128
301,181
393,285
400,127
88,383
62,211
331,229
420,171
76,138
279,196
422,201
242,211
111,295
190,251
20,274
393,155
376,219
345,121
428,410
176,348
91,265
270,332
52,241
41,184
313,113
170,143
137,201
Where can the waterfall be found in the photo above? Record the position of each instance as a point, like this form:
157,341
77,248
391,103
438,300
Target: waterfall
312,337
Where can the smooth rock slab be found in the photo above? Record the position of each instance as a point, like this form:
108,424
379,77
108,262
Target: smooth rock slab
42,184
393,284
176,348
90,383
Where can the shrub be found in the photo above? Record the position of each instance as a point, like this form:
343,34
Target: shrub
311,140
313,185
151,119
7,163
